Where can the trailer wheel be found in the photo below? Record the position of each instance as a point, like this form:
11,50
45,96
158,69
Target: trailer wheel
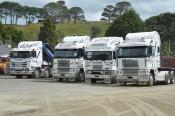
81,77
36,74
167,79
46,73
151,80
19,76
172,78
93,80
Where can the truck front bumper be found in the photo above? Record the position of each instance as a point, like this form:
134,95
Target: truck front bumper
63,75
22,72
133,79
102,76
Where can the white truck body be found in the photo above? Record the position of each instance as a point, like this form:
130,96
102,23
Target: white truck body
138,59
100,59
28,60
69,58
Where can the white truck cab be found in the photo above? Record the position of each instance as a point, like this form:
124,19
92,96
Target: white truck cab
138,59
31,58
100,59
69,61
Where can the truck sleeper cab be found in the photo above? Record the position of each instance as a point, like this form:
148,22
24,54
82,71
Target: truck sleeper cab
100,59
31,59
138,60
69,61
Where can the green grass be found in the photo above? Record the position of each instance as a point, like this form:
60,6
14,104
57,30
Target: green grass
31,31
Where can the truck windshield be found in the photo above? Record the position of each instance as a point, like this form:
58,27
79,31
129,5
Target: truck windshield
98,55
66,53
20,54
132,52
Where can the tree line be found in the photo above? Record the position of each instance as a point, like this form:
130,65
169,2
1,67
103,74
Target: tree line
112,12
58,12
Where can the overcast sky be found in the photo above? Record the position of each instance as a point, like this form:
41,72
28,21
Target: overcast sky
94,8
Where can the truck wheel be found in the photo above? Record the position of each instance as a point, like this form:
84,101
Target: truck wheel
81,77
113,81
172,79
167,79
46,73
18,76
151,80
29,76
60,80
93,80
36,74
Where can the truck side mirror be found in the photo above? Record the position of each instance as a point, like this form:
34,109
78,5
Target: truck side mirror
33,54
114,55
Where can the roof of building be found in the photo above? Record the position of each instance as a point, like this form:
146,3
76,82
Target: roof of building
5,50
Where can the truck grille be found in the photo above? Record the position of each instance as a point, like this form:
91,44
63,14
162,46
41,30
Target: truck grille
63,64
62,70
97,67
130,72
130,63
19,64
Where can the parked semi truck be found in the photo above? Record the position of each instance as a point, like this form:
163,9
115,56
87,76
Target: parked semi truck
100,57
31,59
138,60
69,59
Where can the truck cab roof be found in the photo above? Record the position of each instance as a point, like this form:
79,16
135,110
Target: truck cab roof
73,42
104,43
141,39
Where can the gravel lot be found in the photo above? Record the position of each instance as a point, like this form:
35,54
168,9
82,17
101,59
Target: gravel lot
42,97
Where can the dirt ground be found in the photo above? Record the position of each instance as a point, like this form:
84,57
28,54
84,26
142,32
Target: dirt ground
31,97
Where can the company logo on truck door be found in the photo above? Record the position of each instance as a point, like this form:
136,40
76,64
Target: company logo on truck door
27,45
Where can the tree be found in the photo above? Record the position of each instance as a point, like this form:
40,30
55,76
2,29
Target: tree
165,25
129,22
10,34
76,13
56,11
95,31
108,13
122,7
30,14
48,33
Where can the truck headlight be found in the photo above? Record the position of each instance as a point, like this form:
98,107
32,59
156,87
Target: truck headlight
26,69
143,71
107,72
88,72
119,72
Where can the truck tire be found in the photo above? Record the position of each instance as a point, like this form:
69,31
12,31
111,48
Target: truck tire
113,81
60,80
151,80
36,74
46,73
29,76
81,77
167,79
172,78
93,80
19,76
